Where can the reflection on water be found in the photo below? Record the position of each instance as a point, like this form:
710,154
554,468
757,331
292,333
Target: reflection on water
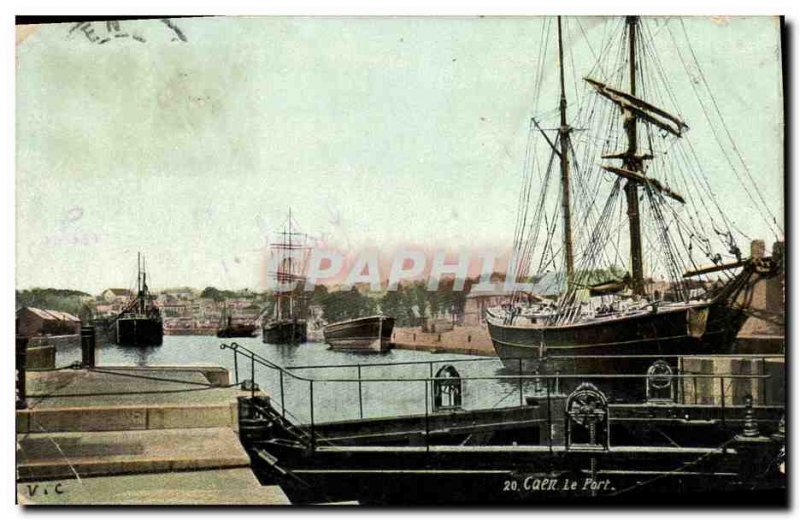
332,400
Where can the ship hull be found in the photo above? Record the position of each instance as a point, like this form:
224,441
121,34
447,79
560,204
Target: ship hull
388,461
288,332
586,348
401,477
139,332
372,334
237,331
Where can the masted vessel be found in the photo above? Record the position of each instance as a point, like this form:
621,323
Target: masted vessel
140,323
287,324
657,198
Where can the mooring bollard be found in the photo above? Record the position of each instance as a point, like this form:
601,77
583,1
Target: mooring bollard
87,346
750,425
22,360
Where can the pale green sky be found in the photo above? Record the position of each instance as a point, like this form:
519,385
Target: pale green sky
378,133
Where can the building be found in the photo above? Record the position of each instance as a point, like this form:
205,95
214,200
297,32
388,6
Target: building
33,322
116,295
180,293
766,300
477,303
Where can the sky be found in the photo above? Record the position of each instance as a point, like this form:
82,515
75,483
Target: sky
189,141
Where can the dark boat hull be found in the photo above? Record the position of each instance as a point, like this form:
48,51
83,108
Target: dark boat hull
373,334
139,332
491,476
288,332
237,331
386,461
584,348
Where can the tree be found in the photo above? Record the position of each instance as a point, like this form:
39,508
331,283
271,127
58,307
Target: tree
64,300
345,305
212,293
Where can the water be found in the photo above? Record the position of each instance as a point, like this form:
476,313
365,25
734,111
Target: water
331,400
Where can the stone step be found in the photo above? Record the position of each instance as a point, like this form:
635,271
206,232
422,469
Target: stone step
64,455
128,398
128,417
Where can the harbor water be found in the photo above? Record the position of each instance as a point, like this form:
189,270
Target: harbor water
332,400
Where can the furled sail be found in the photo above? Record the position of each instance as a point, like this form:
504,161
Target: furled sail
640,108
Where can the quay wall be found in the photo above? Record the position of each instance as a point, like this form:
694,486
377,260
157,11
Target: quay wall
191,332
470,340
40,358
55,341
769,390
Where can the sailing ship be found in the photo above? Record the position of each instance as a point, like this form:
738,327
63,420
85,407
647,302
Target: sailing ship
369,334
231,329
287,325
139,324
604,312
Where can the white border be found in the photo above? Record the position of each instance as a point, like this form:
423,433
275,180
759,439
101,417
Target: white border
340,7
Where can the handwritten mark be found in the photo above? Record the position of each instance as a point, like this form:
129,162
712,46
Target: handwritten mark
175,28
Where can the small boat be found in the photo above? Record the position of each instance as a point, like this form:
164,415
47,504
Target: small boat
230,329
236,330
140,323
370,334
285,331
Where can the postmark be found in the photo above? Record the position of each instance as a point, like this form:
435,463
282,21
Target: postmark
105,32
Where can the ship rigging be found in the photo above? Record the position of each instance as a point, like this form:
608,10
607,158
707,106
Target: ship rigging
659,298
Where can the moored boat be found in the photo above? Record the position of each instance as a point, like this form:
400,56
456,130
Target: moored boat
607,307
140,323
550,447
369,334
285,331
287,324
235,329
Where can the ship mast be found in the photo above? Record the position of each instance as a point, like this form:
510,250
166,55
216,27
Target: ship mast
284,304
291,271
139,281
564,133
632,170
633,163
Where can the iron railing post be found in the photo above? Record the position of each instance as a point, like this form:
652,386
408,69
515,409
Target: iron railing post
252,375
427,425
236,365
311,405
283,402
763,385
722,397
520,381
549,418
360,397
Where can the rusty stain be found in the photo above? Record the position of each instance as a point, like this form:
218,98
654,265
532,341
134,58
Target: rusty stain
23,32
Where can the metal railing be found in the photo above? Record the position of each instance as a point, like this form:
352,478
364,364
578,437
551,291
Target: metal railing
548,384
